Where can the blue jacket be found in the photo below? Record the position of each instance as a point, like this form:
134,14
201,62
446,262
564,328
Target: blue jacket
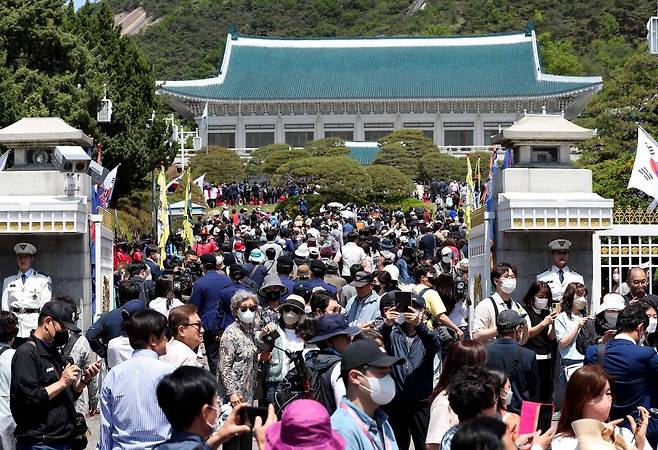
634,369
525,379
315,282
182,440
413,378
205,296
288,283
106,328
224,313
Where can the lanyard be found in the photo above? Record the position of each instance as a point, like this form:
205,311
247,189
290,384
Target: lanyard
365,430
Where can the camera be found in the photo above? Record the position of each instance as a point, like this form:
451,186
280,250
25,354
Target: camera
270,338
70,159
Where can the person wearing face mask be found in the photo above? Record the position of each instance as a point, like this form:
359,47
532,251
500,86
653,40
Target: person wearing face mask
359,419
541,338
633,367
519,362
238,354
270,294
559,276
188,398
43,388
650,338
406,336
604,325
483,327
505,394
568,324
290,311
446,266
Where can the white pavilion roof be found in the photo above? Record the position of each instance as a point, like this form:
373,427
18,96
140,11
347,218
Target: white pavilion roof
50,130
539,127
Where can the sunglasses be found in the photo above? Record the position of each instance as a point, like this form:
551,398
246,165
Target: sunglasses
287,309
250,308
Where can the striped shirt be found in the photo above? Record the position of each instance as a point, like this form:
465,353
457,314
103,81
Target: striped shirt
131,418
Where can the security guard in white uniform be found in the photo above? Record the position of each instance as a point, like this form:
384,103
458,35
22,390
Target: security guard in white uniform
26,292
560,275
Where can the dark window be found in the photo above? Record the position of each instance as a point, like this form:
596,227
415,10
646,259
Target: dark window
259,127
255,140
545,155
376,135
338,125
226,140
458,138
488,134
344,135
298,138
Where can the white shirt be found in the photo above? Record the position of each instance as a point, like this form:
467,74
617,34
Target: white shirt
352,254
571,442
485,313
160,305
179,354
552,277
337,384
118,351
7,423
33,294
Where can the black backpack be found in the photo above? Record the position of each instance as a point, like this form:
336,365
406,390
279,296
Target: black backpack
308,381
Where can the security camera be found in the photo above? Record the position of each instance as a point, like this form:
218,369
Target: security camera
97,172
71,159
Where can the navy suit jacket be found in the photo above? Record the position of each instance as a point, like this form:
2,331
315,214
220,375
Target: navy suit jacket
525,379
154,268
633,369
205,296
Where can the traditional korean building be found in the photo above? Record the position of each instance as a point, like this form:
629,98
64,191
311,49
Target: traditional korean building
458,90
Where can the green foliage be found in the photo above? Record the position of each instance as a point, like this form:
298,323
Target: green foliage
54,62
442,167
259,155
559,56
398,156
610,179
339,178
313,202
279,158
388,183
404,149
220,165
327,147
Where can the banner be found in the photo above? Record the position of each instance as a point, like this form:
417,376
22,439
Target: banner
469,195
199,181
106,188
163,217
188,233
644,176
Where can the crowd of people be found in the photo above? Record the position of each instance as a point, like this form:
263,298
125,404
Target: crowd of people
344,329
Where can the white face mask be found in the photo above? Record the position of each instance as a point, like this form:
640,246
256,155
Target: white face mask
246,316
507,397
507,285
290,318
400,319
382,390
611,318
653,323
615,277
447,259
541,303
580,302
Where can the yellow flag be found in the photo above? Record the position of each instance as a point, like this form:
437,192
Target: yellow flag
469,195
163,217
188,233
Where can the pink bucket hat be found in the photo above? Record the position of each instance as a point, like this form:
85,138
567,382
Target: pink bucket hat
305,425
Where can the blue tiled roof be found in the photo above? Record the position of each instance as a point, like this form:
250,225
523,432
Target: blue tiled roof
364,152
403,68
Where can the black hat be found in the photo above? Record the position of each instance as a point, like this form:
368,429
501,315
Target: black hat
303,289
367,352
208,260
330,325
508,320
284,261
317,265
361,279
61,312
237,270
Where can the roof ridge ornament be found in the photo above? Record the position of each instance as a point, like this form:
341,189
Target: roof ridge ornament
233,32
530,27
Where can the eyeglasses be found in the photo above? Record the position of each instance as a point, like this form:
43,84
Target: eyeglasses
250,308
196,325
287,309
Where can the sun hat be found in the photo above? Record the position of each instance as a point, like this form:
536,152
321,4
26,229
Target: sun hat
256,256
611,301
330,325
304,425
293,300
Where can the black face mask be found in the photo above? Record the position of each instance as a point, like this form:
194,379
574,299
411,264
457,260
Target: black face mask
61,338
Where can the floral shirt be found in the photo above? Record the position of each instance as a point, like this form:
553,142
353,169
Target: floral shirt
238,356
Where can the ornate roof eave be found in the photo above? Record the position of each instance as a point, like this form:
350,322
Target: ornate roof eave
567,93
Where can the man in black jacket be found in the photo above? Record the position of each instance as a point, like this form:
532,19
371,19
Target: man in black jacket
43,387
518,362
138,271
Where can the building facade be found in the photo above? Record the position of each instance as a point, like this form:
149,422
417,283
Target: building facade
458,90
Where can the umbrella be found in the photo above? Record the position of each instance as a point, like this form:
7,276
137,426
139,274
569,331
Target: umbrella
347,214
335,205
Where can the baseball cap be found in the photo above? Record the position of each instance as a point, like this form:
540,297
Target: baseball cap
208,259
509,319
361,279
61,312
367,352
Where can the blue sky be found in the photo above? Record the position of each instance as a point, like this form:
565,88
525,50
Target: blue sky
79,3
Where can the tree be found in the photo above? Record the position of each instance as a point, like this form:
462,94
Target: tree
255,165
441,166
559,57
220,165
388,183
398,156
279,158
337,178
416,143
610,180
327,147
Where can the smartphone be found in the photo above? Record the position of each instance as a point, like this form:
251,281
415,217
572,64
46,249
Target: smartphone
248,415
535,416
557,308
402,301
